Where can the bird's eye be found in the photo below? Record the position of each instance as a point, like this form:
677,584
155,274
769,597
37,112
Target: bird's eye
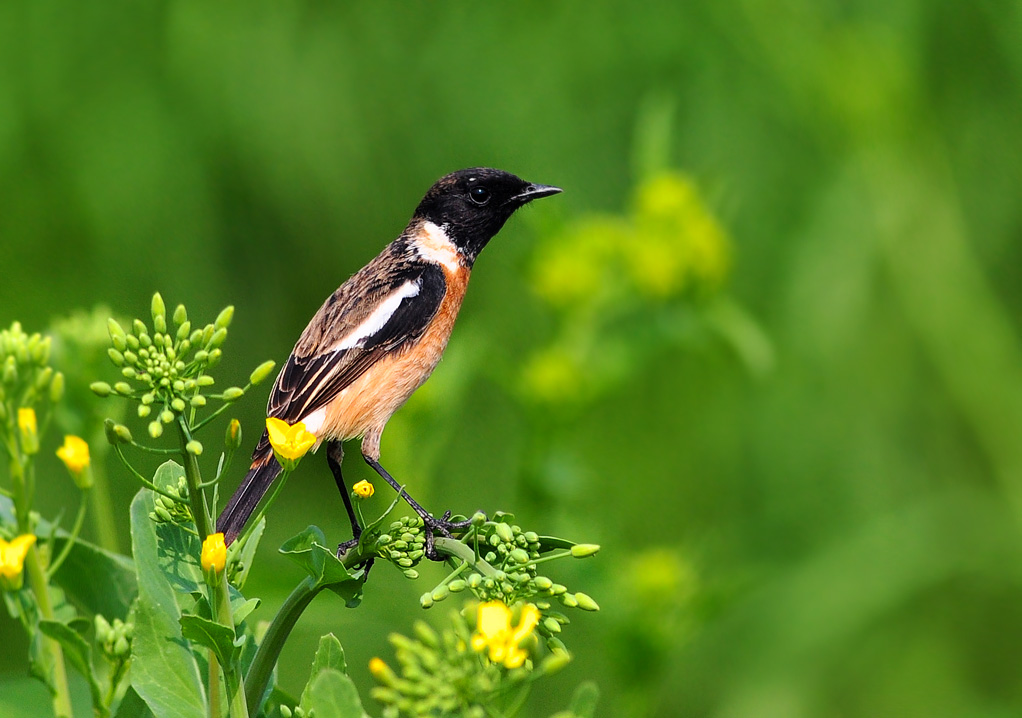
479,195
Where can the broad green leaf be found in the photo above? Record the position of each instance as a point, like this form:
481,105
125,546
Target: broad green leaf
214,636
132,706
333,695
308,550
164,671
79,654
241,608
97,580
583,702
329,656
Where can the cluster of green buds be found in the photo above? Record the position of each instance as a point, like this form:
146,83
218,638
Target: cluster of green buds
114,639
26,380
172,506
404,544
506,567
165,370
441,674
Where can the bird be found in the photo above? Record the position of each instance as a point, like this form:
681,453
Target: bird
380,335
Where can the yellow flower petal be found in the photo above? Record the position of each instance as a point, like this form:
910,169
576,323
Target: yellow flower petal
12,555
27,420
74,453
214,553
363,489
290,442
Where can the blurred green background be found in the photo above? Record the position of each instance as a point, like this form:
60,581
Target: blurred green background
806,476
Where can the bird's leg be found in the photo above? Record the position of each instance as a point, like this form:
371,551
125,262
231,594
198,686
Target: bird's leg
334,457
430,523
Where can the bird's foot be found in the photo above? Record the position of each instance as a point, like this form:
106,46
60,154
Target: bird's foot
442,526
342,551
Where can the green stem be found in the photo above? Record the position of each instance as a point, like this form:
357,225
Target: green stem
259,672
72,538
193,476
41,590
458,549
104,523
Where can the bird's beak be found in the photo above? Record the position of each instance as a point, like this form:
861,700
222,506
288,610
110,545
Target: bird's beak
535,191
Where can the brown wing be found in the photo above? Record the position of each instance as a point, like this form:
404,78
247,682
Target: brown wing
376,312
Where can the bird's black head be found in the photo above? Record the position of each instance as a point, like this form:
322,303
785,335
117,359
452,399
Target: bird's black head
472,205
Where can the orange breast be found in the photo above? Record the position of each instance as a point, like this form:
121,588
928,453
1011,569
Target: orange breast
364,407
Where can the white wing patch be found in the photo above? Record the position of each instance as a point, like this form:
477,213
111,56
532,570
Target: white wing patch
379,316
314,421
434,245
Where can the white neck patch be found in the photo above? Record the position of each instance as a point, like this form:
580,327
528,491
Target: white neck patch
434,245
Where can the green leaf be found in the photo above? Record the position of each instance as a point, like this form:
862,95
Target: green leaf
164,670
333,695
214,636
247,556
329,656
79,654
550,543
307,549
132,706
583,702
97,580
241,609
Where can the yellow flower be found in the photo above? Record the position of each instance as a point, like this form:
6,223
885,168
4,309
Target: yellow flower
381,671
214,553
363,489
290,442
75,455
12,559
29,430
495,632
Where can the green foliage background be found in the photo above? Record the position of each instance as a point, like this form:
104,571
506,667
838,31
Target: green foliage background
835,533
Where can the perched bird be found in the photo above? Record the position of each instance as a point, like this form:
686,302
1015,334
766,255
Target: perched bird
380,335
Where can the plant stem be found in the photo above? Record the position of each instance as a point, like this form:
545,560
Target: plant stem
196,498
41,590
73,537
266,657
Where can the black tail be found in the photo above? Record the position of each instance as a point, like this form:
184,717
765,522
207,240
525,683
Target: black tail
256,483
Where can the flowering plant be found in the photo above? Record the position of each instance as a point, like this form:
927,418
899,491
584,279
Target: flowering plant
171,634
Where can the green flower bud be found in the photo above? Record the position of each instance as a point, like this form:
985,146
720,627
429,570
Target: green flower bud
41,352
131,341
166,416
411,573
182,334
155,429
57,387
202,356
585,602
218,338
478,519
159,309
457,586
144,410
102,628
531,536
123,388
223,319
113,433
426,600
405,562
569,600
138,328
557,589
426,634
160,325
504,532
542,583
121,647
180,314
10,371
474,580
116,333
233,394
261,372
132,358
555,662
198,401
145,341
100,388
129,373
194,447
581,550
551,625
204,380
214,357
519,555
177,404
232,437
162,514
384,539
